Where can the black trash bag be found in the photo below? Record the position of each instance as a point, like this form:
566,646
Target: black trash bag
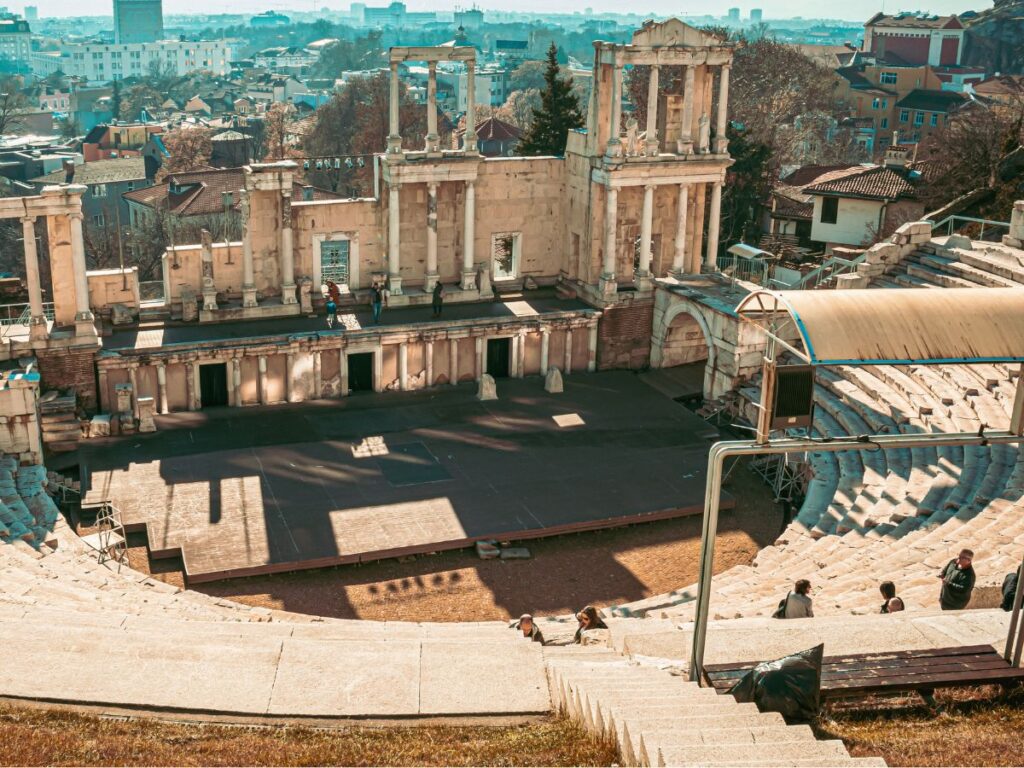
790,686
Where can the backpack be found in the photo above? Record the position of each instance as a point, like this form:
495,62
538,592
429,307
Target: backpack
780,612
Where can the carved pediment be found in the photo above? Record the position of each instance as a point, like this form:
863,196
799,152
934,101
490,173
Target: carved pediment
673,32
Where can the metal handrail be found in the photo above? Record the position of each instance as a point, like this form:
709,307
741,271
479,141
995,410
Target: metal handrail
955,222
24,316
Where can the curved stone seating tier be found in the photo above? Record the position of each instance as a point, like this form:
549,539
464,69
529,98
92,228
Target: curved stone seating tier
934,266
869,516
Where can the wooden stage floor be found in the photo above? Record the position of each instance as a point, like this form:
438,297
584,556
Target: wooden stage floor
247,491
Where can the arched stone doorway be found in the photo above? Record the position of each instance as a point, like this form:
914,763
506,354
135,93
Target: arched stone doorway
685,342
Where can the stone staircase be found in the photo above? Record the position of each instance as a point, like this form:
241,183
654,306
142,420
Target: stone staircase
900,515
933,265
659,719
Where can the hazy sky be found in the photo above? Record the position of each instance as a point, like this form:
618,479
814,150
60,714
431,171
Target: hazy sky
848,9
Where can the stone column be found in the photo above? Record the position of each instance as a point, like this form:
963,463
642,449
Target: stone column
469,143
686,134
248,279
161,388
83,315
453,361
431,276
721,142
651,144
289,373
394,267
521,355
608,283
318,376
545,346
679,257
428,363
378,364
262,379
394,136
567,364
403,366
37,327
711,255
104,393
642,277
481,361
432,137
592,349
133,379
190,385
343,371
287,256
469,239
236,379
614,141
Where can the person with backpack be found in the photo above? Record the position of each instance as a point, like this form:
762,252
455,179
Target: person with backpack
437,300
797,604
1009,590
957,582
892,603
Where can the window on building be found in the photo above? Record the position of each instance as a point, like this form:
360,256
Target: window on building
876,103
334,261
919,118
505,248
99,190
884,122
829,210
935,119
888,78
904,115
98,220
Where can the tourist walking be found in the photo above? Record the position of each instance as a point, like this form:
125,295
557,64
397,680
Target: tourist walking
957,582
529,629
797,604
378,300
332,312
588,619
438,298
892,603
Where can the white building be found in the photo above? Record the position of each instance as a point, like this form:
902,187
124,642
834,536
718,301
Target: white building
102,63
15,40
489,87
281,59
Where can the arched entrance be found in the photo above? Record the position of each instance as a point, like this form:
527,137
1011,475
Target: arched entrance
685,342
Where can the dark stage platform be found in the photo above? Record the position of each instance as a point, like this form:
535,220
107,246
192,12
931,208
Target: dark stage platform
257,490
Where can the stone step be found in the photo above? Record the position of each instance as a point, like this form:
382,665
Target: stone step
775,751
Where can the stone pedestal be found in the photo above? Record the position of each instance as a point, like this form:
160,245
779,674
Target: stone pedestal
395,285
209,295
469,280
487,390
608,286
305,295
553,381
100,425
147,409
123,398
189,308
484,284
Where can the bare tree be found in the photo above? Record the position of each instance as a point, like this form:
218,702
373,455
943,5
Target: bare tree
189,149
13,105
519,107
275,131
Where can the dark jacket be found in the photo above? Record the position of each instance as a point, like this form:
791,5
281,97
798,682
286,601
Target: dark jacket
1009,591
957,586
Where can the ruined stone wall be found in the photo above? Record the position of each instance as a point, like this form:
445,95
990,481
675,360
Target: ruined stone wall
358,220
63,368
624,336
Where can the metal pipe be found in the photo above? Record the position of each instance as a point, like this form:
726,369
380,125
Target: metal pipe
723,449
1015,625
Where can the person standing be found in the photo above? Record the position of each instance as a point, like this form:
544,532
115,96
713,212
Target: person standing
438,298
378,299
332,312
957,582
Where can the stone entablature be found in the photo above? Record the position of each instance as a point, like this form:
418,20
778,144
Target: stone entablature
306,366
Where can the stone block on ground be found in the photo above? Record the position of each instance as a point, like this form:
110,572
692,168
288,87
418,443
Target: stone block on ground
487,390
120,314
515,553
529,283
959,241
487,550
147,409
553,381
189,306
100,425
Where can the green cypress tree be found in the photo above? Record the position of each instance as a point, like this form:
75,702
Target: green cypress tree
558,114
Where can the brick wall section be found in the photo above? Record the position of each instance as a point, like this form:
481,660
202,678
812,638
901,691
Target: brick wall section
624,336
63,368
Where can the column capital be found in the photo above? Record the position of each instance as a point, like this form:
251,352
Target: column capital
76,215
28,219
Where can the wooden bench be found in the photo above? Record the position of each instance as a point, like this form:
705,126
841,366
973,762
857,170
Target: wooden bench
866,674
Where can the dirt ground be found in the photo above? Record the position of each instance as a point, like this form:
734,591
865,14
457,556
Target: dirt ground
565,572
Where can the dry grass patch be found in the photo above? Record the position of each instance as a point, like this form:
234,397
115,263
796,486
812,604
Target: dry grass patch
976,727
33,737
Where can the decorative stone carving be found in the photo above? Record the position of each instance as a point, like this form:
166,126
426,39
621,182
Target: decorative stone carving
483,276
209,287
632,137
704,134
147,409
553,381
487,390
123,397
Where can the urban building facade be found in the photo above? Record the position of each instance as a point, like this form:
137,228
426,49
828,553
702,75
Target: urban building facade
103,63
16,42
138,21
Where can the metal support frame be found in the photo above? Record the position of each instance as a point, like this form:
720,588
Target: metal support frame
1015,637
720,451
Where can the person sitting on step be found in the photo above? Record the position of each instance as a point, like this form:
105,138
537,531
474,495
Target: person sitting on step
892,603
529,629
957,582
798,602
588,619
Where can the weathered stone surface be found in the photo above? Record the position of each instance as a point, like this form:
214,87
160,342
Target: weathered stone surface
553,381
959,241
306,295
487,550
189,307
147,410
120,314
515,553
123,397
529,283
488,390
100,425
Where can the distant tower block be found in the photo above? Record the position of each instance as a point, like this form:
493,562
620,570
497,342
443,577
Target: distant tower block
755,15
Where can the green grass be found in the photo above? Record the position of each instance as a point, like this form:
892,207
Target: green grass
31,737
976,727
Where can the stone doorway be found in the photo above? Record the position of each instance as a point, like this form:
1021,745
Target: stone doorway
213,384
499,354
360,372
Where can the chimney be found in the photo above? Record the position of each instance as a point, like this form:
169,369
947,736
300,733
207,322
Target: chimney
69,171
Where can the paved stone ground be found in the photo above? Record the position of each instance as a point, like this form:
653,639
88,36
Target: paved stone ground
244,491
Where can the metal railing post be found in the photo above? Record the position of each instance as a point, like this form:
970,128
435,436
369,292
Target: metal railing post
1013,649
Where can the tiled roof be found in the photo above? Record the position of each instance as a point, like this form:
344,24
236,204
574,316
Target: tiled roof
493,129
858,82
1001,85
809,174
790,203
202,192
931,101
906,21
101,172
877,182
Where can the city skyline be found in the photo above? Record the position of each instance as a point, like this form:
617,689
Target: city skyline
856,10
